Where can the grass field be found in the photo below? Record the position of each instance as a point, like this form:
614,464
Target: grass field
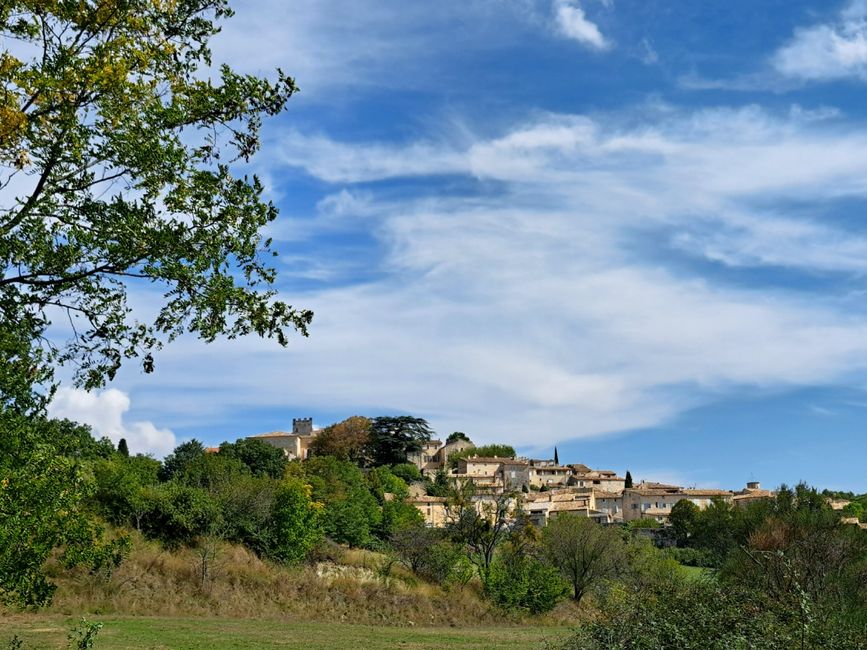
236,634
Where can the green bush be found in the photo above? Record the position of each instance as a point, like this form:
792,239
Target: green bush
177,514
522,582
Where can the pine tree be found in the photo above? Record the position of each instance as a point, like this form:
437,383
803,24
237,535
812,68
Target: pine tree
556,458
628,482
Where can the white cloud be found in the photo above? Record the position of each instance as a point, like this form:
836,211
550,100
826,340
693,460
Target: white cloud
828,51
104,412
572,22
537,313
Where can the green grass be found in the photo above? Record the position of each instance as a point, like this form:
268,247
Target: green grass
236,634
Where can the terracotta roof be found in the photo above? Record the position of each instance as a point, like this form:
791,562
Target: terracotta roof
602,494
651,485
753,494
212,450
569,506
702,492
543,468
494,460
578,467
426,499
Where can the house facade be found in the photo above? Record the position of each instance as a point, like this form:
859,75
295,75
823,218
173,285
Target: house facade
295,444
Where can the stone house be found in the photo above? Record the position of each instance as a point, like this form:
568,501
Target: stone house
427,458
610,503
295,444
603,479
548,475
656,503
750,494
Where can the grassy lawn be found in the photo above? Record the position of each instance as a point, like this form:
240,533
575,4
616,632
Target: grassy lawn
217,634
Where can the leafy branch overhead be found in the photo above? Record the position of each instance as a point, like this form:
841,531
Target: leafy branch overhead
118,142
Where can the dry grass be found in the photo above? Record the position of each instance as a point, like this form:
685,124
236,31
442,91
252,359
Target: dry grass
349,588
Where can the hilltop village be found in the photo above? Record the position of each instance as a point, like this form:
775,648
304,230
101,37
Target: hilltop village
547,488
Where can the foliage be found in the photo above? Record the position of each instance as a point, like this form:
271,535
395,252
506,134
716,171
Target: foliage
259,457
83,636
350,512
440,486
644,523
628,481
42,508
520,581
428,553
393,439
123,447
705,616
119,484
177,462
583,551
178,514
246,505
346,440
457,435
480,528
682,518
127,155
407,471
295,522
485,451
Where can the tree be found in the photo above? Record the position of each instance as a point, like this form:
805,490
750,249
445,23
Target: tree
521,581
350,512
122,448
295,522
122,156
182,457
683,518
481,528
42,508
392,439
259,457
346,440
457,435
556,457
583,551
628,482
494,450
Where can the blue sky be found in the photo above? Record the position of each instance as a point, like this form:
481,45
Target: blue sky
633,229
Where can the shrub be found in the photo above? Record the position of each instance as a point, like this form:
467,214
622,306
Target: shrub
523,582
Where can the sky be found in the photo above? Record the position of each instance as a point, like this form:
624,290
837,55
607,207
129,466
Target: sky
633,229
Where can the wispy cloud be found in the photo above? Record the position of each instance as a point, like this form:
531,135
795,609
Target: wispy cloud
827,51
573,23
533,313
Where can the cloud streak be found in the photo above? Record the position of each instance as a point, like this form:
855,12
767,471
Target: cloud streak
538,308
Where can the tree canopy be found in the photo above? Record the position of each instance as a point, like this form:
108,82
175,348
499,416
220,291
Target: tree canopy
392,439
117,144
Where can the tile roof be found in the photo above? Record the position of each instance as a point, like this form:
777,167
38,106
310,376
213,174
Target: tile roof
273,434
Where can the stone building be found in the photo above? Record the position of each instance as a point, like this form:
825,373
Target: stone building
295,444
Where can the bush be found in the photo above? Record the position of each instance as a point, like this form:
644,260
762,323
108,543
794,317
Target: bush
522,582
706,616
177,514
691,556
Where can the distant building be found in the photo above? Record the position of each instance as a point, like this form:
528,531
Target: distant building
295,444
750,494
656,503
